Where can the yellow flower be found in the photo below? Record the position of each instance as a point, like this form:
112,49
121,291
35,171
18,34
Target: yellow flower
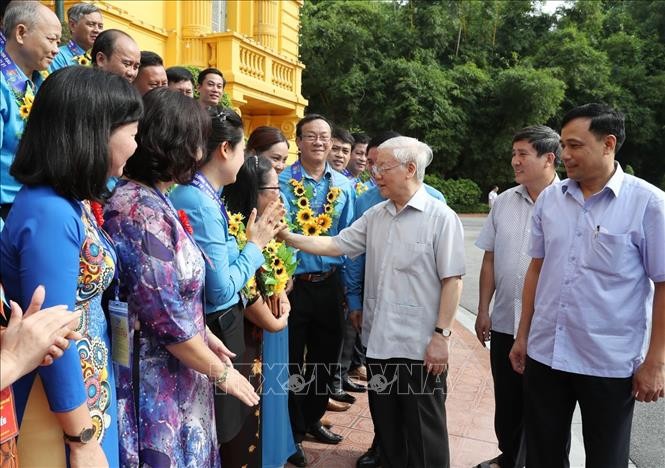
295,183
276,262
332,195
279,271
302,202
280,286
310,229
82,60
304,216
24,111
241,238
272,247
299,191
233,229
360,188
236,218
324,221
328,209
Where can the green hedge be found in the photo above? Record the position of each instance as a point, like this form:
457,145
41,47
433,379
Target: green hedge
462,195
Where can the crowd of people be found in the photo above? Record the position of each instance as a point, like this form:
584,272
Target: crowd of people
193,300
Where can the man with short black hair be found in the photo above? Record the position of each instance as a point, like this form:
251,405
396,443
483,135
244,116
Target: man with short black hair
319,202
340,151
151,73
358,160
116,52
33,33
85,23
593,290
504,238
211,87
180,79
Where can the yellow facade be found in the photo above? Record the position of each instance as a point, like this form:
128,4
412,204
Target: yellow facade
253,42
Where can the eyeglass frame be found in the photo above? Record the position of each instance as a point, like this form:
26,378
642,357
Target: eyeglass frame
378,171
312,138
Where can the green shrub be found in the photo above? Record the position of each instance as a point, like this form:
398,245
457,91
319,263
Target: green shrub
462,195
629,169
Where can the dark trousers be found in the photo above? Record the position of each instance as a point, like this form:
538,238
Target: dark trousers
4,210
315,327
351,354
409,413
508,403
606,405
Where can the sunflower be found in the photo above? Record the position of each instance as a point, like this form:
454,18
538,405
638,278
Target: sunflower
304,216
280,271
295,183
272,247
280,286
24,111
299,191
233,229
276,262
311,229
236,218
328,209
302,202
331,197
82,60
324,221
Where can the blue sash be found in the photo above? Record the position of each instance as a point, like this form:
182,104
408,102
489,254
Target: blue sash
201,183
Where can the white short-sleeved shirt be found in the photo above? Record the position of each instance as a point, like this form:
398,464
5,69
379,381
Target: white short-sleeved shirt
408,254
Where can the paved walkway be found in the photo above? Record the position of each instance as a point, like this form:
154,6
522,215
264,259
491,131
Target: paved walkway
470,409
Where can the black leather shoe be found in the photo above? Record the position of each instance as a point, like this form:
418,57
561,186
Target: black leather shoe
324,435
350,386
343,397
369,459
298,458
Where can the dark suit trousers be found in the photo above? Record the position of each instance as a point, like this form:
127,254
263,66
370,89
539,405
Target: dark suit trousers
606,405
508,399
409,414
315,336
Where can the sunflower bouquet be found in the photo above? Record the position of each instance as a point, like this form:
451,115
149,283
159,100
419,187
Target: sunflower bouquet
308,222
361,187
279,262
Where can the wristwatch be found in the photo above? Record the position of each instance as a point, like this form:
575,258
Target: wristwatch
84,437
446,332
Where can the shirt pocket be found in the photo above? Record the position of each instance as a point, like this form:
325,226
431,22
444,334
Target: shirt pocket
606,251
408,257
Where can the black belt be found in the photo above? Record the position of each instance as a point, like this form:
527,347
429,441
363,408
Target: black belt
316,277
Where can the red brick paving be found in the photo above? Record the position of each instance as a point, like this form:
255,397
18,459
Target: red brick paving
469,406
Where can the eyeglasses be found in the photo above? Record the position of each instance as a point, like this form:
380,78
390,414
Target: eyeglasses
268,188
376,170
311,138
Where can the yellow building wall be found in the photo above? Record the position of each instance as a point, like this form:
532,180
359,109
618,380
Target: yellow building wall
258,51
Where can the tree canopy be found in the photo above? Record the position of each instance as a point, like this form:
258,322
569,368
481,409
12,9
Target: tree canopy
464,75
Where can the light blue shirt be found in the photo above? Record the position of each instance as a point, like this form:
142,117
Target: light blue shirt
308,263
228,269
594,296
65,57
355,269
11,129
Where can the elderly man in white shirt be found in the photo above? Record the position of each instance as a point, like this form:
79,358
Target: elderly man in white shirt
414,264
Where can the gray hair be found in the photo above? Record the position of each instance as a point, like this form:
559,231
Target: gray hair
406,150
20,12
78,11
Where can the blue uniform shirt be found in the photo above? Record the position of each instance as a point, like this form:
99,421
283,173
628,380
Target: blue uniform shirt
65,57
11,129
355,269
308,263
231,268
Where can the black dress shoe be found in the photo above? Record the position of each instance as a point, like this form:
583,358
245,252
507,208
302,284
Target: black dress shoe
350,386
343,397
324,435
298,458
369,459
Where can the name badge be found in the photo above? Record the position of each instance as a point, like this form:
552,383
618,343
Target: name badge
119,316
8,422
